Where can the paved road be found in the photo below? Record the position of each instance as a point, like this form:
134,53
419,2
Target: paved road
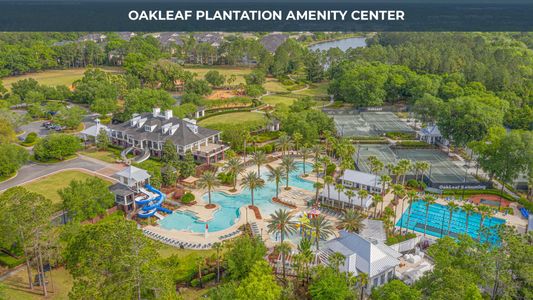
33,127
35,170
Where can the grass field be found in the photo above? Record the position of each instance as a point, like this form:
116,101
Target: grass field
274,86
16,286
315,90
53,77
49,186
275,100
248,119
226,71
106,156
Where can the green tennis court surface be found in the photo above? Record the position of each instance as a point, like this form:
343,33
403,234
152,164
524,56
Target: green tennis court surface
353,123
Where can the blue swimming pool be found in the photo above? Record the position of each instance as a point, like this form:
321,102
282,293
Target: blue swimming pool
229,205
438,222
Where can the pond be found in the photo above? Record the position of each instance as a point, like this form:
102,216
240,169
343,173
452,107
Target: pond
343,44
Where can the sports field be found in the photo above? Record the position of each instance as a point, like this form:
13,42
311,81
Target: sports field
246,119
351,123
226,71
443,169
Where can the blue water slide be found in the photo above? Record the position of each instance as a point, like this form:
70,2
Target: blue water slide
152,205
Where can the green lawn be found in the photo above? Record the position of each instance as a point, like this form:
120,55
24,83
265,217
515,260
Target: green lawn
106,156
53,77
226,71
274,86
246,119
275,100
49,186
315,90
16,286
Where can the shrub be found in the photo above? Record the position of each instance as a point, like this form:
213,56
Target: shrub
12,157
400,135
413,144
187,198
30,138
226,178
10,261
56,147
206,278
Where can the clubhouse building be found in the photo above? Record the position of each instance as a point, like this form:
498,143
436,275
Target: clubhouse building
148,132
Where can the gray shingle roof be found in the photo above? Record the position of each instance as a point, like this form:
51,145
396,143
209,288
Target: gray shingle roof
272,41
120,189
184,134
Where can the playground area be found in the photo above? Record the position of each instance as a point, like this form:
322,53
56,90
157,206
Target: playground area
444,171
351,123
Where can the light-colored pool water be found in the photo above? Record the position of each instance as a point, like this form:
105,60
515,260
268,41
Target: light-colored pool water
229,205
439,216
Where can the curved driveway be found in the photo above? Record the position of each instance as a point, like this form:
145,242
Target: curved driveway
35,170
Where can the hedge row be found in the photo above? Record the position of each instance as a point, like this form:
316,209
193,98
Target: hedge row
478,192
413,144
10,261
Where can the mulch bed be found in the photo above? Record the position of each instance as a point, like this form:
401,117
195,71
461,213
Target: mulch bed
278,200
256,211
210,206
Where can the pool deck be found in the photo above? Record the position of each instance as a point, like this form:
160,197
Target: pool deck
295,195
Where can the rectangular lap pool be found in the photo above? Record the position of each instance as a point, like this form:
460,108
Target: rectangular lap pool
437,222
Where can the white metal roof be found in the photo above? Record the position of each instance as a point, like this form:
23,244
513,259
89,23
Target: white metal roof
372,258
361,178
334,195
134,173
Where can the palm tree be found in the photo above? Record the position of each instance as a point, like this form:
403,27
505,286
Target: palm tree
340,188
297,138
469,209
377,199
350,194
276,175
424,167
387,215
390,168
200,263
428,201
234,166
484,211
404,167
385,180
322,228
362,279
289,165
305,153
281,223
376,166
316,149
208,181
352,221
284,143
218,247
252,182
399,193
336,260
259,158
317,185
412,196
328,181
305,255
452,207
317,167
362,195
283,249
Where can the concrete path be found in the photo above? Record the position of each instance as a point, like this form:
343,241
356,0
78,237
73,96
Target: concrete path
33,171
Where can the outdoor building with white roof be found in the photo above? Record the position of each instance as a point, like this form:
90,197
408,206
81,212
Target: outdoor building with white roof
431,135
131,182
92,132
363,255
361,180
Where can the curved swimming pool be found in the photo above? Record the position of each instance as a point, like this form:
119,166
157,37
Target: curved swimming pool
229,205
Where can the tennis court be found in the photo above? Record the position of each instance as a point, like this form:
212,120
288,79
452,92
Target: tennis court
351,123
443,169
